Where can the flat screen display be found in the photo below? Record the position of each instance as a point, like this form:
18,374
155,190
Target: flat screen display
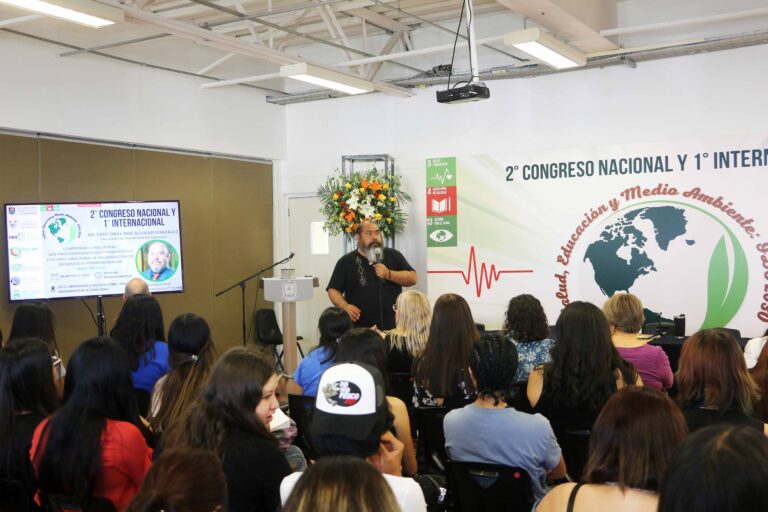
65,250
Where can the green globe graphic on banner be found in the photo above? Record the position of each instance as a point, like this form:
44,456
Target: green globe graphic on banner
671,246
61,229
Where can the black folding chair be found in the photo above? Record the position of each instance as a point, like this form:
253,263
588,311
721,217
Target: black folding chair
269,333
431,437
575,447
300,408
485,487
14,496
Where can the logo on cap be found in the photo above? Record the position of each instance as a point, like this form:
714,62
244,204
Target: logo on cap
342,393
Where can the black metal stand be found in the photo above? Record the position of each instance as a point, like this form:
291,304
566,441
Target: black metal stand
242,282
100,318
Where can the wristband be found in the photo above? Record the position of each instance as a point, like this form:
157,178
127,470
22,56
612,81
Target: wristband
389,276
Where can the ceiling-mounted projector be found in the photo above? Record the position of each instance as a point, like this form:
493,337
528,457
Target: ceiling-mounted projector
475,91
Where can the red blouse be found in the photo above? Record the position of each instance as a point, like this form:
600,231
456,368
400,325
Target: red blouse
125,460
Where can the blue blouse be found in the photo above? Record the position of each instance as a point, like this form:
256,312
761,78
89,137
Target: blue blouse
531,354
150,371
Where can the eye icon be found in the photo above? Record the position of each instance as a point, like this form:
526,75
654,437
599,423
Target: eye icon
441,235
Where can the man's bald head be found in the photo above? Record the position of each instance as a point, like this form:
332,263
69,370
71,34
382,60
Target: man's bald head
135,286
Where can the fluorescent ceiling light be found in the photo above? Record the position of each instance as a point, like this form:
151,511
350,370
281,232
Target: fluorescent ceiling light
85,12
545,48
326,78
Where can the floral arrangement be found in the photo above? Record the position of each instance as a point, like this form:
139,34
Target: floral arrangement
350,200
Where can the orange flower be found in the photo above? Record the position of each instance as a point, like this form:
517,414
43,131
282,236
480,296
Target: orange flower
375,187
364,183
350,216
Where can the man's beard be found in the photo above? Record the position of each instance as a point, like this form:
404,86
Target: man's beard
370,252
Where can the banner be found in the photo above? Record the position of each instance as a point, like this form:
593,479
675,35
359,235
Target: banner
682,225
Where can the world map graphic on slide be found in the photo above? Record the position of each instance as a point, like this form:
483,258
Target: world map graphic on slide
613,272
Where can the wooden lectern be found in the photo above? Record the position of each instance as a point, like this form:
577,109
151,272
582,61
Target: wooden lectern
288,290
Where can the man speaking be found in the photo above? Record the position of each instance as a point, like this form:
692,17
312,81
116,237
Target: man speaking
366,282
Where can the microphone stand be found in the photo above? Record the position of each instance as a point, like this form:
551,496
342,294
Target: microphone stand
242,283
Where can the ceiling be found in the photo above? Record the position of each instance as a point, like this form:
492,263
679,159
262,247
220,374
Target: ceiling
403,43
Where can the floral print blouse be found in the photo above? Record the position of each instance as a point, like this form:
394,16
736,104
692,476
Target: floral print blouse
531,354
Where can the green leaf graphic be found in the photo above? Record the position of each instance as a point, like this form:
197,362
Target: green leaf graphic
723,297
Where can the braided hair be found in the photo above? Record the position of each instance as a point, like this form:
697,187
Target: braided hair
493,361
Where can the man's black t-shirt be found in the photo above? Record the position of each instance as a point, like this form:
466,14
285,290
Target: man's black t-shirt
355,277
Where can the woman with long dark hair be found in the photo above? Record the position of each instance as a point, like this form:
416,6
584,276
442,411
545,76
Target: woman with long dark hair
713,383
140,331
231,417
525,325
92,446
584,372
191,355
441,371
632,443
36,320
27,397
363,345
332,324
760,375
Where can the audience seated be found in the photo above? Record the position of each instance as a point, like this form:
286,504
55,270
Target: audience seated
364,345
525,325
409,337
584,372
333,323
35,320
352,418
716,469
490,431
341,483
630,448
624,312
753,349
713,383
231,417
191,355
92,446
27,397
183,480
140,331
440,372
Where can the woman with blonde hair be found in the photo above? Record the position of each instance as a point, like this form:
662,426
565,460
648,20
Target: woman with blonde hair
191,355
409,337
341,483
625,316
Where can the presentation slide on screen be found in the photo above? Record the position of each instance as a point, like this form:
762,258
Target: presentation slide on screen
90,249
682,225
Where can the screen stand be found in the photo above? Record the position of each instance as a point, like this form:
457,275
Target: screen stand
100,318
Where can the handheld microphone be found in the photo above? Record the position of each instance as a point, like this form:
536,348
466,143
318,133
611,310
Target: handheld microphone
377,257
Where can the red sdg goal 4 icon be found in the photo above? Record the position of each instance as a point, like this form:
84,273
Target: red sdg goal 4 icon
441,201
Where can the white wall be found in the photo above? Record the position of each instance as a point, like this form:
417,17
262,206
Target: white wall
694,97
95,97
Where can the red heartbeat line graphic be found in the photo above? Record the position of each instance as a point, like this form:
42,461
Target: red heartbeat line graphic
486,277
